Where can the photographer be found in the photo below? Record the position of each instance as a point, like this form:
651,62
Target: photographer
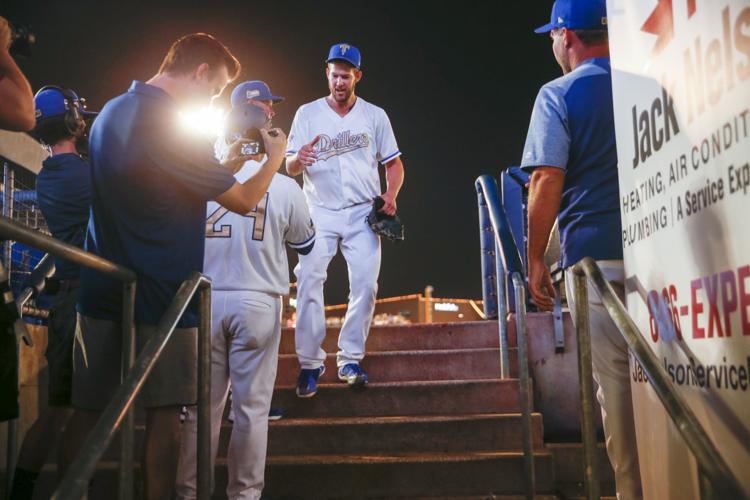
16,98
63,190
150,185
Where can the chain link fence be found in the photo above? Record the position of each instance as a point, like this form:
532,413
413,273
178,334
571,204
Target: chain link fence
19,203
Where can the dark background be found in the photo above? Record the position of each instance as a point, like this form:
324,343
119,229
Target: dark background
458,80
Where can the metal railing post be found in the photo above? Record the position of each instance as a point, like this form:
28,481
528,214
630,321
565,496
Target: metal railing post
486,246
502,315
12,426
525,384
8,182
127,431
204,395
74,484
586,385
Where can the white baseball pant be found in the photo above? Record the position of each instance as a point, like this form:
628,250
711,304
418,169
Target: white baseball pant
245,335
348,229
609,353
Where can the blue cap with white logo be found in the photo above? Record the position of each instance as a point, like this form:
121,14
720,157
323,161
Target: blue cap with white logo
244,117
577,15
54,102
255,90
345,52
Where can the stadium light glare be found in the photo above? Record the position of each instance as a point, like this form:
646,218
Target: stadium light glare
207,121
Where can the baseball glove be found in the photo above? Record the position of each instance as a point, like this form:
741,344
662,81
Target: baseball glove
387,226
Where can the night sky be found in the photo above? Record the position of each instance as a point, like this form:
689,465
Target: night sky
457,79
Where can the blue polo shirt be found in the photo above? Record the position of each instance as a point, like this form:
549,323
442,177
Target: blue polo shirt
150,184
63,192
573,128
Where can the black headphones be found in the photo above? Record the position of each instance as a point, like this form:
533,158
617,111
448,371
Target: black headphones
74,121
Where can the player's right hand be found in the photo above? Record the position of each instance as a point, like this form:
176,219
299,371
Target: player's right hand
307,155
275,144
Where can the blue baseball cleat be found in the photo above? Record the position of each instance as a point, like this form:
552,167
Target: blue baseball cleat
353,374
275,414
307,382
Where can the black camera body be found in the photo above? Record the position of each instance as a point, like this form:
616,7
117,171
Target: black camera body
255,146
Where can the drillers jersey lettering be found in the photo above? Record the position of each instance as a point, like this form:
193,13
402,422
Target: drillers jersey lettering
344,142
349,151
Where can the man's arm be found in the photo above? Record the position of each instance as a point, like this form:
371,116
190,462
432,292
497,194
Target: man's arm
545,192
394,178
242,198
16,98
294,166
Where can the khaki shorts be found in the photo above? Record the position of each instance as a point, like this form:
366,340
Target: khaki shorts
97,359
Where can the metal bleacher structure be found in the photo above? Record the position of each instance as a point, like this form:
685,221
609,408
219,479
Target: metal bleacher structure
461,410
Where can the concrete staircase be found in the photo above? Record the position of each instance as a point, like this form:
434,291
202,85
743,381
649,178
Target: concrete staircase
436,421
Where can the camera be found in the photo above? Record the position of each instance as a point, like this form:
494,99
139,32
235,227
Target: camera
255,144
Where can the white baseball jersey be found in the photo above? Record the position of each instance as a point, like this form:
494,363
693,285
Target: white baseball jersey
349,150
247,252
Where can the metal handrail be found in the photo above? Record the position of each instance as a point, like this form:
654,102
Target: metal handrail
712,465
75,482
500,258
11,230
35,282
507,265
519,288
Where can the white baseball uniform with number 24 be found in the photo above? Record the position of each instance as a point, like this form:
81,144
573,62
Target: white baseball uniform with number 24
247,263
339,188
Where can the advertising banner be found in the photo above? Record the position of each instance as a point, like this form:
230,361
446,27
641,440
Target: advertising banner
681,82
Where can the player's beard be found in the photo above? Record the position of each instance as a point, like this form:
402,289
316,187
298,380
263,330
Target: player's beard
346,96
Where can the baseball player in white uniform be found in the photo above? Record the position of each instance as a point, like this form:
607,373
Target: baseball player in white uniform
337,142
247,263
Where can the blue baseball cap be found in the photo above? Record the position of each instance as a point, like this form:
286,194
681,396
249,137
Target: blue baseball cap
576,15
53,102
253,90
244,117
345,52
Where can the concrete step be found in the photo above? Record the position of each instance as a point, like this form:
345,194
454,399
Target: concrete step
382,435
401,366
402,475
402,399
469,334
412,475
376,435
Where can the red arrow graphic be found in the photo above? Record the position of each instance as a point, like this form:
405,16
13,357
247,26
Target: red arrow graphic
661,24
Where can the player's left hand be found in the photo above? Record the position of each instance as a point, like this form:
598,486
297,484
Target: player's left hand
390,204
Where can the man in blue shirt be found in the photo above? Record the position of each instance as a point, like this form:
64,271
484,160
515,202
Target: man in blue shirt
570,147
150,184
63,190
